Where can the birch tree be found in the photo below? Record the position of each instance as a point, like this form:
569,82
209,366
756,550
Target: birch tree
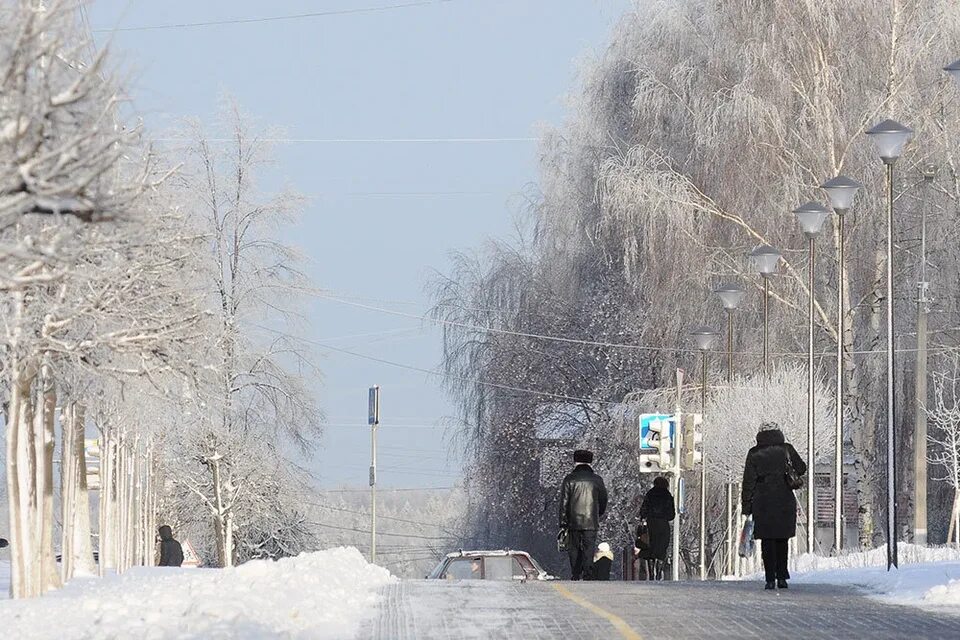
252,407
945,438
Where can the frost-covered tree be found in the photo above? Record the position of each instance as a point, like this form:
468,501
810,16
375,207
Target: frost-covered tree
945,438
251,410
73,178
691,139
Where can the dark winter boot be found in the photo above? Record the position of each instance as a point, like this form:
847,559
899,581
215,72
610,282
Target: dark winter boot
782,584
770,585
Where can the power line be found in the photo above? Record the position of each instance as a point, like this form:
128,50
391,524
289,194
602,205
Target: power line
579,341
382,517
381,533
452,140
402,489
295,16
356,425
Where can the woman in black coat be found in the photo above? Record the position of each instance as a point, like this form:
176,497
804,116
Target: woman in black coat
658,509
767,497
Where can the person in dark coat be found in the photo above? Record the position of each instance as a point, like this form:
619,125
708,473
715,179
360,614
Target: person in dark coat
770,501
583,500
658,510
171,553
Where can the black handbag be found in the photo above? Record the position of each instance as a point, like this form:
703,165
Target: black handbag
563,540
790,475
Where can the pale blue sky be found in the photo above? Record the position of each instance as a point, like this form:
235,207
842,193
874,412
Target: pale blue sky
383,216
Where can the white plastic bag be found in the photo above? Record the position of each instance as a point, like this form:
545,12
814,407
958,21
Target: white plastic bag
745,550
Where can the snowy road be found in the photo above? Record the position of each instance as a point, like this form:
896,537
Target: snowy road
588,610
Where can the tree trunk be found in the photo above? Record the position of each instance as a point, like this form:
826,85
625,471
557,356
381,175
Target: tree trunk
77,552
18,475
224,550
107,505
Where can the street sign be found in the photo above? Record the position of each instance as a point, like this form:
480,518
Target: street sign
648,437
373,406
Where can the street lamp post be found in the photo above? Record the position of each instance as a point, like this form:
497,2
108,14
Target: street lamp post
811,217
765,259
890,137
731,295
705,338
929,172
841,191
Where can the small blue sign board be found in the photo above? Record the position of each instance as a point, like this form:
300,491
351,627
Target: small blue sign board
646,419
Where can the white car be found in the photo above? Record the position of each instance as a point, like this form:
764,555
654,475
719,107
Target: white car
489,565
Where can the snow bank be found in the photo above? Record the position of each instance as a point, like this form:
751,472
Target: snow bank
320,595
4,579
928,577
944,595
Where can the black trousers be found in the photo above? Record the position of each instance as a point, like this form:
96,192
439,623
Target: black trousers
774,552
582,546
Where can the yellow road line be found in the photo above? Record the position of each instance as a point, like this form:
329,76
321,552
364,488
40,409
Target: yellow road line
618,623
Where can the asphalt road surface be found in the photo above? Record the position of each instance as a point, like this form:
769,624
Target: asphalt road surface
435,609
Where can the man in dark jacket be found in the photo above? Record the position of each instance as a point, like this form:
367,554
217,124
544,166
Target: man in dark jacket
171,553
767,498
583,499
658,509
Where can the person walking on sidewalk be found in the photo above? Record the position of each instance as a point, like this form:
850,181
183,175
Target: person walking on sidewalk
171,553
658,510
583,500
771,466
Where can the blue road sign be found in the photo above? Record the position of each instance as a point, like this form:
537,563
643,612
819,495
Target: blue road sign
646,419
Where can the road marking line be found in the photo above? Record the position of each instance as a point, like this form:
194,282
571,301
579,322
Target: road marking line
618,623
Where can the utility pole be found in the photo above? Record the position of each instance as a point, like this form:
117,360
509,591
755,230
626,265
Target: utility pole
373,419
677,470
920,385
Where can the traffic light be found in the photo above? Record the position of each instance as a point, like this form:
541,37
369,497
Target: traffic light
660,438
693,439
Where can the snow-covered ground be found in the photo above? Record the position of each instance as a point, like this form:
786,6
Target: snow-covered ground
927,577
320,595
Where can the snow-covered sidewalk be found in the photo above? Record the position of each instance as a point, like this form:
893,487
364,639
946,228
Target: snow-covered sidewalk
326,594
927,577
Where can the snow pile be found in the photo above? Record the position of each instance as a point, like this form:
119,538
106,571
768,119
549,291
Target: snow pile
927,577
4,579
907,554
326,594
944,595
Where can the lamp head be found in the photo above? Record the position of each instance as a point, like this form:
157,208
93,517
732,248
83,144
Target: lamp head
890,137
731,295
953,69
705,337
841,191
811,217
765,259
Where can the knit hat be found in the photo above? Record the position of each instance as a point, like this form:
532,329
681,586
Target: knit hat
769,426
583,456
603,551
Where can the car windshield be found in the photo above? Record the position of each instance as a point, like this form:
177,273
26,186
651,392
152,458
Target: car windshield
437,570
536,565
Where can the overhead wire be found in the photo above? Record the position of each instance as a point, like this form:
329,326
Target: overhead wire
412,140
580,341
288,17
